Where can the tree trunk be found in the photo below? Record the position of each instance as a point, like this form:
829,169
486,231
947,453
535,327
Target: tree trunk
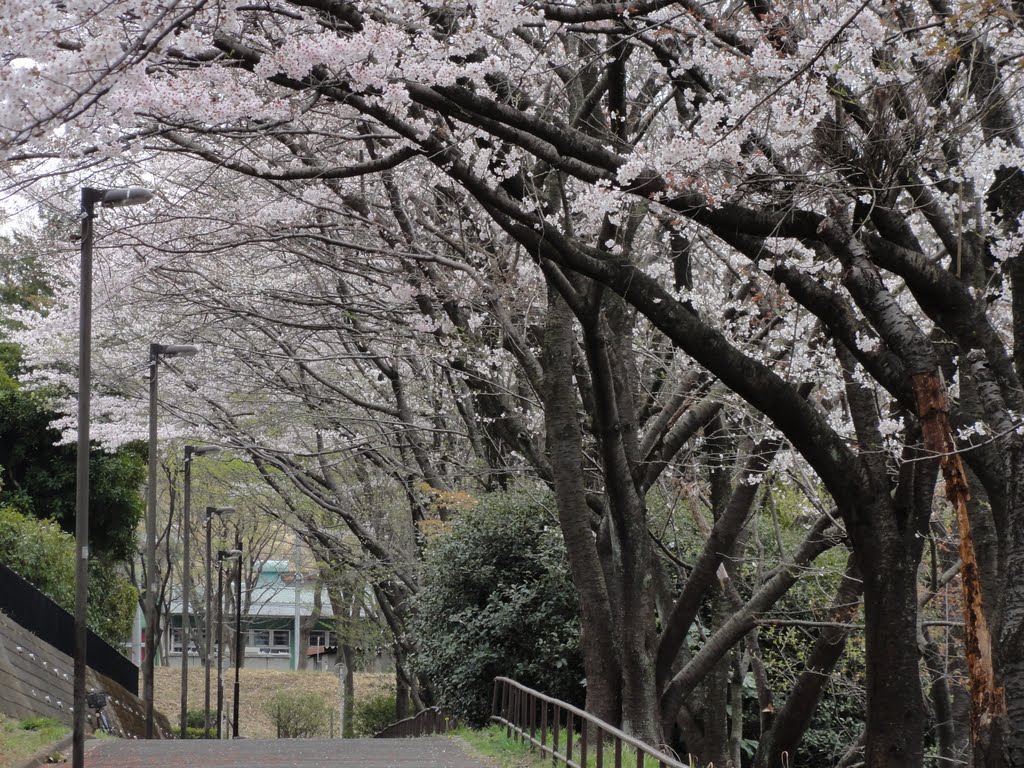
564,444
348,692
895,704
1011,633
401,695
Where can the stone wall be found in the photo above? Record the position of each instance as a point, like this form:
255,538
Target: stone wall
37,680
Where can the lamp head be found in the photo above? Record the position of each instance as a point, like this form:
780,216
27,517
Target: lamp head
211,511
228,554
173,350
122,196
201,450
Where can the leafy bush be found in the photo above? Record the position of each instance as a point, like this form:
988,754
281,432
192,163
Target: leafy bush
194,720
298,714
373,715
44,555
498,600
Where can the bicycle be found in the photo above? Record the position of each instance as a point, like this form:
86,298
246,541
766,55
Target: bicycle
97,700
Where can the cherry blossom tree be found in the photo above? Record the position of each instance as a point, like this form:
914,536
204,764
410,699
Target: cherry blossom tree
813,206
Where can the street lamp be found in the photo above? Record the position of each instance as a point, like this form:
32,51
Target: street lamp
210,512
222,555
156,352
186,577
238,639
107,198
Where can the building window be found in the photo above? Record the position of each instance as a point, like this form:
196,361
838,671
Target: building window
270,640
176,641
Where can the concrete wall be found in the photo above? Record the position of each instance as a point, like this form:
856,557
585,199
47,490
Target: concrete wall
37,680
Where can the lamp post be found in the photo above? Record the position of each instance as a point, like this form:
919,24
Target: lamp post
186,577
238,637
210,512
222,555
156,352
108,198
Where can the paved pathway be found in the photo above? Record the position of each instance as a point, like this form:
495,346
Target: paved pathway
424,752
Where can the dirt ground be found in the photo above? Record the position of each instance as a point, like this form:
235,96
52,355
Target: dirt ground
256,687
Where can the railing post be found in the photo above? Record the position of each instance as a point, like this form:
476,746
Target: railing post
543,727
599,762
568,736
505,714
532,717
521,717
584,727
554,734
618,752
513,714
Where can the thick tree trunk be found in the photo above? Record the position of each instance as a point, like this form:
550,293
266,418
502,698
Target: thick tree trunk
895,704
615,429
564,443
1011,633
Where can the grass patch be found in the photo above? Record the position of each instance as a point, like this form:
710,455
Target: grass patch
19,741
500,751
493,745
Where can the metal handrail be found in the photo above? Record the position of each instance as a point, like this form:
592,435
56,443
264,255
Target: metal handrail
424,723
525,712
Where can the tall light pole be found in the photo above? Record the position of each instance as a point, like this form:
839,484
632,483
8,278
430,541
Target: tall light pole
238,637
210,512
156,352
108,198
222,555
186,577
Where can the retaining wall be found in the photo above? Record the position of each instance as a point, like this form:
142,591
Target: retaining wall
37,680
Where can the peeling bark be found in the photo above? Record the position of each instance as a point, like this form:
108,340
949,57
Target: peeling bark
987,698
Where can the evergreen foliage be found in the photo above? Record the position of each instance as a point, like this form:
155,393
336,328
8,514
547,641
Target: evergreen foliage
498,600
45,555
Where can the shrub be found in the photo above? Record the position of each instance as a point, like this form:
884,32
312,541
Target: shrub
44,555
498,600
194,720
298,714
373,715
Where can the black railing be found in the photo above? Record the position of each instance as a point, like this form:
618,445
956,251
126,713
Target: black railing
568,734
27,606
425,723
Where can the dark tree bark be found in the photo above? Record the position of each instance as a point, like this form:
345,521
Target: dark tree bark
600,656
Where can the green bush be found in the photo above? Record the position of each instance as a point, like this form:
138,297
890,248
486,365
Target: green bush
298,714
373,715
44,555
194,720
497,599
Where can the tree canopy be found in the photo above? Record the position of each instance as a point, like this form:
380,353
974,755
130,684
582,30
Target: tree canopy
667,260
